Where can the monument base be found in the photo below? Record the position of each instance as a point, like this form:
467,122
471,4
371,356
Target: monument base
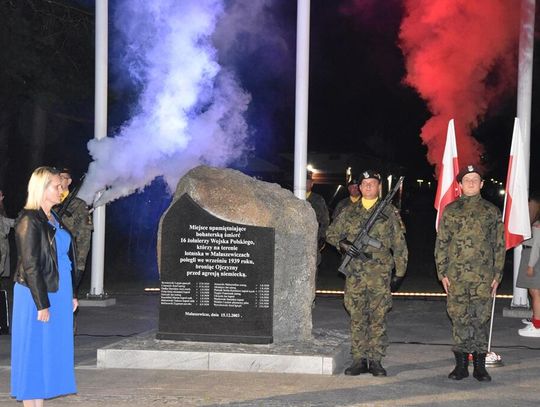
324,355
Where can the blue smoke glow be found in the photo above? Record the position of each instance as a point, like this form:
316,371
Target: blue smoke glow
190,109
134,220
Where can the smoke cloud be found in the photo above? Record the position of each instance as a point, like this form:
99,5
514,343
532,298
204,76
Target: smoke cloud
461,56
190,109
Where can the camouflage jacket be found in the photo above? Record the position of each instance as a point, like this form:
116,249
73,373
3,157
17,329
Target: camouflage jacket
470,240
79,222
343,204
390,232
321,211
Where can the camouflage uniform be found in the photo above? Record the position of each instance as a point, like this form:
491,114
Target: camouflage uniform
367,289
345,202
470,251
5,225
79,222
321,211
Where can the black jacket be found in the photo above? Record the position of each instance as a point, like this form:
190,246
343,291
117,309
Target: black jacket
37,266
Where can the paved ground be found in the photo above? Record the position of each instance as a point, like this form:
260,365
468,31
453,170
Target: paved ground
418,362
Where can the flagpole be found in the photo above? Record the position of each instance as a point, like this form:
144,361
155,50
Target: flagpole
524,101
492,359
97,296
447,186
302,96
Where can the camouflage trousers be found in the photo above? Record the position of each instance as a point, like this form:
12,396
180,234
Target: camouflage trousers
4,257
469,308
368,300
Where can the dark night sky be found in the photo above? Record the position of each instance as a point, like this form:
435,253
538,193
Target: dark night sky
358,102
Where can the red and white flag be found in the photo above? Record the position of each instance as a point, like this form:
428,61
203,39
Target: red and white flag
517,224
447,187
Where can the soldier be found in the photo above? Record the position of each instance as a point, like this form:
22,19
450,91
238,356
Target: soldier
321,211
5,225
368,288
77,219
469,253
352,199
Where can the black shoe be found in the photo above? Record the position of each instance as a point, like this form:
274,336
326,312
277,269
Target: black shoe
462,366
480,373
376,369
358,367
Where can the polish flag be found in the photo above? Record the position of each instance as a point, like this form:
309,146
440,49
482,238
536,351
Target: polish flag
517,224
447,187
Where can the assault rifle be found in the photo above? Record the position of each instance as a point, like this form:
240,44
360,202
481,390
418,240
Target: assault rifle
65,204
363,239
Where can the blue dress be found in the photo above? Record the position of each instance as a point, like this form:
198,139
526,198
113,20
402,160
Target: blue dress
42,361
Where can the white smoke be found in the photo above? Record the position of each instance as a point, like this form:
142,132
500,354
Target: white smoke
190,110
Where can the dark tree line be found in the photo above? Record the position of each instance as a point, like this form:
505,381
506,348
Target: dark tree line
46,87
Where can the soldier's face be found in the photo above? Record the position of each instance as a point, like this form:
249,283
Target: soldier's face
370,188
471,184
353,190
66,180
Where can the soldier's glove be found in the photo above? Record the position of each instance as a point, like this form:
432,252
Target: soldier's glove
347,247
395,283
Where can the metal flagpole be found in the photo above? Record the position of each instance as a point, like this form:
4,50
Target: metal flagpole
97,296
524,103
492,359
302,96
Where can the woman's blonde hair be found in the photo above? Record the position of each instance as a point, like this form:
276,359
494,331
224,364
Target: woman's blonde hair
39,181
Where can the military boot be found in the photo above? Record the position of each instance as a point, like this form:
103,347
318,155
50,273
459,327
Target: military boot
480,373
462,366
376,369
358,366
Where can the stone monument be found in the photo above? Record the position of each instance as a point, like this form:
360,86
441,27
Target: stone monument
236,198
228,200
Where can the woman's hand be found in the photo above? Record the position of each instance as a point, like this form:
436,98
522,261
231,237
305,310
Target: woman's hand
75,304
43,315
530,271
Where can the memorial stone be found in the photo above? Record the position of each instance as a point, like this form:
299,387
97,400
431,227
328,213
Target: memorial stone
216,277
235,199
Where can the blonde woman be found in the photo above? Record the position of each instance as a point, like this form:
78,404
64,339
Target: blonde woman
42,365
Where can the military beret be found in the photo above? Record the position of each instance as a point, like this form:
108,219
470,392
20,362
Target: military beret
353,181
469,169
370,174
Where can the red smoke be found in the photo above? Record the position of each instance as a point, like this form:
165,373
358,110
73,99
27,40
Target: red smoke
461,57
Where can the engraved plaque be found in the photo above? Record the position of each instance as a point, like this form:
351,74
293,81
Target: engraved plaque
217,278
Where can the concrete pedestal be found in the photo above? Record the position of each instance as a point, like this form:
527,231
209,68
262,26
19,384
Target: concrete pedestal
324,355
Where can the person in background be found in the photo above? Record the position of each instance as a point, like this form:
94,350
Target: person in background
5,225
368,297
77,219
469,254
321,212
352,199
529,268
44,297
